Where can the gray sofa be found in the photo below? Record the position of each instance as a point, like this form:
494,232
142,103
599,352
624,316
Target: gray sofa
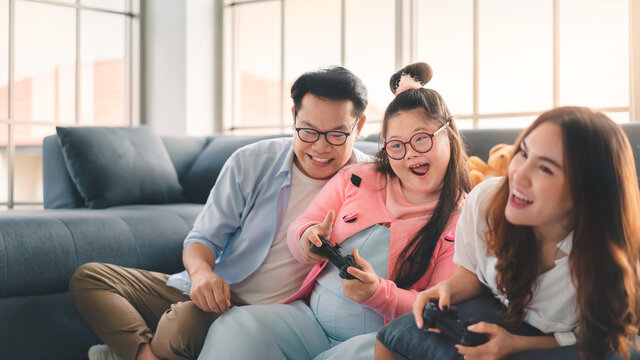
39,250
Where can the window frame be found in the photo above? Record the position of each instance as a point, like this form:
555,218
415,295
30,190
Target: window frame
406,44
132,97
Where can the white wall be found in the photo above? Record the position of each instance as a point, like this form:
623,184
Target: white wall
200,61
164,66
178,66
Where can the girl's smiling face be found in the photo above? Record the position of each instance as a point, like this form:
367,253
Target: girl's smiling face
420,174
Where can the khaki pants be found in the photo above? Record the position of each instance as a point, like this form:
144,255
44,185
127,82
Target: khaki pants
128,307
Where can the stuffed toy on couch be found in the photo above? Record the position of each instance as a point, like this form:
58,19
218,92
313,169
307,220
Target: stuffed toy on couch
499,158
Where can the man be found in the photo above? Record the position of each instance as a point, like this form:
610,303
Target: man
236,252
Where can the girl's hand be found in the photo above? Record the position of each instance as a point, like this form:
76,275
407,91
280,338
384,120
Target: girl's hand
440,292
310,236
364,285
499,345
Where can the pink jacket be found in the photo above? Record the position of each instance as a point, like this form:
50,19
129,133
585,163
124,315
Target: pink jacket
366,203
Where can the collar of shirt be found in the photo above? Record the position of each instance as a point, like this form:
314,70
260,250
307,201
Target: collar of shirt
566,244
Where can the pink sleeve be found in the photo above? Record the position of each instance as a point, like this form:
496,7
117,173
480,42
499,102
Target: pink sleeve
391,301
331,196
443,264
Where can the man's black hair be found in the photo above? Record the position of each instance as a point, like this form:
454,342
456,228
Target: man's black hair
335,83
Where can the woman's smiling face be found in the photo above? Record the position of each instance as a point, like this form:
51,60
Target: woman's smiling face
539,194
421,174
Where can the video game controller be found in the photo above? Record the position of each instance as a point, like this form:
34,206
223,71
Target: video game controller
451,326
332,252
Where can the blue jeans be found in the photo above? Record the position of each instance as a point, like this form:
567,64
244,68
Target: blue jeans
406,341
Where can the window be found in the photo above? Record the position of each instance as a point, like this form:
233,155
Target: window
497,63
370,52
308,22
257,65
515,52
594,53
445,40
68,64
4,61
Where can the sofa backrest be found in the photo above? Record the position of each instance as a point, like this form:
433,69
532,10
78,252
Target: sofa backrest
60,191
480,141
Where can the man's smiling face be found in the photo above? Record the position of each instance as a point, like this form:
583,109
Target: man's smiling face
321,160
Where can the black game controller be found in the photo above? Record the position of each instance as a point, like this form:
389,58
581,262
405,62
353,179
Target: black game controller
332,252
451,326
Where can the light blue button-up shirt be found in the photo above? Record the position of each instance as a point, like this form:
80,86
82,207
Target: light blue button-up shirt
245,208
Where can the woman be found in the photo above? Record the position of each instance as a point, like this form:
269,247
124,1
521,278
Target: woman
399,214
556,241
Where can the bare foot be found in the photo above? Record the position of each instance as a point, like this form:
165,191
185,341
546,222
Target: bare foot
145,353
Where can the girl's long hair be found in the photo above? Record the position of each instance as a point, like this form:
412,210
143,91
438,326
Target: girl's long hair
414,259
605,256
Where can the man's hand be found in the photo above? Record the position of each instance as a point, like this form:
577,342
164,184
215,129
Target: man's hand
209,292
310,236
364,285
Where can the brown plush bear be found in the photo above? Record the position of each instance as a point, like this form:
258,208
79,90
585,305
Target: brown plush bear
499,158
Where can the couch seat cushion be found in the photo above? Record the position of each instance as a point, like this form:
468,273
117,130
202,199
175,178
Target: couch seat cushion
39,250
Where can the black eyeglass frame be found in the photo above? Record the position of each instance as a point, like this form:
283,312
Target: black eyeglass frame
326,134
410,142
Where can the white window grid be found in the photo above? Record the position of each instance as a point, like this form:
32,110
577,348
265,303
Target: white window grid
405,49
132,80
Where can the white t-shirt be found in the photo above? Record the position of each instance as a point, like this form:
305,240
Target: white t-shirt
553,306
281,275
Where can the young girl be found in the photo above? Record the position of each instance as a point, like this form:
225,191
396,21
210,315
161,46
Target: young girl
399,214
557,241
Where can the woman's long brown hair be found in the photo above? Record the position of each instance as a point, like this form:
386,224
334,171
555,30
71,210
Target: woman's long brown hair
605,255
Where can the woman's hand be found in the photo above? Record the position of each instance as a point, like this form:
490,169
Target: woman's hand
440,292
500,343
310,236
364,285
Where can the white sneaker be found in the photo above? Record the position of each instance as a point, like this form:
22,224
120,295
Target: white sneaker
102,352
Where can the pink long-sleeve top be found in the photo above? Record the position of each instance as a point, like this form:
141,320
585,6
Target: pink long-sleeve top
361,197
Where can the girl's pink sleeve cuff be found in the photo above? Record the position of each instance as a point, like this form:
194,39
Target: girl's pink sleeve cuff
380,297
293,237
389,301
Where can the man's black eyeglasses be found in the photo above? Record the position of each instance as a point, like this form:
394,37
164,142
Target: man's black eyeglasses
335,138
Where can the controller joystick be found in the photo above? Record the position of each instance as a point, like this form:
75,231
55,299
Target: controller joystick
451,326
332,253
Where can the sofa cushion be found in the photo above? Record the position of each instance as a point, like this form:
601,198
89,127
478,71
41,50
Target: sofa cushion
117,166
183,151
39,250
58,189
203,173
